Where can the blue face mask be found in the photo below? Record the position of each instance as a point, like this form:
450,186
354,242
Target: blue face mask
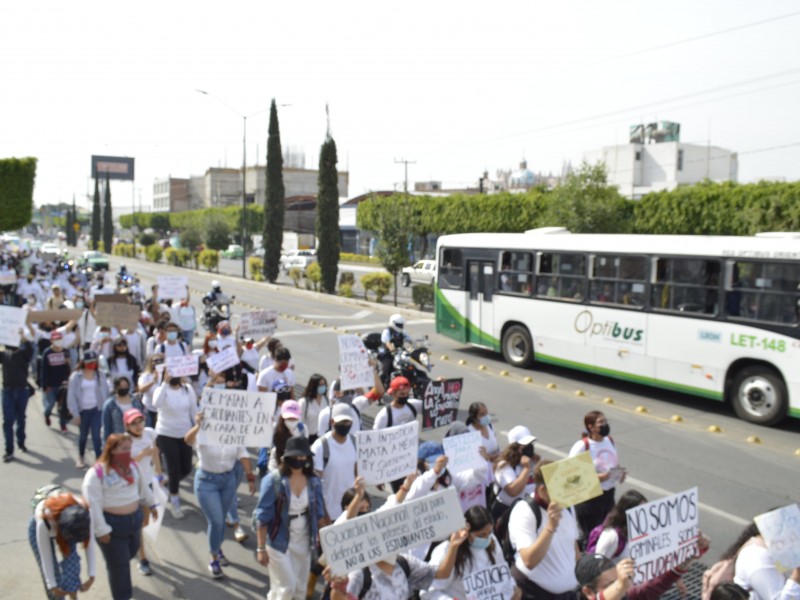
219,386
322,389
481,543
485,420
172,336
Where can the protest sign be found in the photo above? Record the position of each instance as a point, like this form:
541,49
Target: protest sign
662,534
491,583
222,360
48,316
462,452
781,531
182,366
112,298
355,370
365,540
440,404
172,286
121,316
8,278
258,324
387,454
572,480
236,418
12,319
160,498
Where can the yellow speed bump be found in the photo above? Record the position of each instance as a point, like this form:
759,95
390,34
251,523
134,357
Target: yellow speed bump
641,409
551,386
714,429
608,400
580,393
528,379
797,452
676,419
445,357
503,373
462,362
345,331
752,439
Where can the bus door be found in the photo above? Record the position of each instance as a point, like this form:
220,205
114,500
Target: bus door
480,320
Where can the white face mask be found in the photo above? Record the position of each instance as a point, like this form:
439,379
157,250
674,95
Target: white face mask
292,426
391,559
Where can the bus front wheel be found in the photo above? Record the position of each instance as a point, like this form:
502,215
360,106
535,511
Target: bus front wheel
759,395
518,346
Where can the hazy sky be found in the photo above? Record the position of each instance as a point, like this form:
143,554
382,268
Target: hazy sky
457,86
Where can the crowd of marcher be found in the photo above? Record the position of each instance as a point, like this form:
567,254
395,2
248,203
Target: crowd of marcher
114,386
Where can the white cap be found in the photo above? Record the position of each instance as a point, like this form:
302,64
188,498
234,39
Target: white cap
341,412
520,435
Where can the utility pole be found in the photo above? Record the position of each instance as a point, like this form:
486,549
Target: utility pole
405,163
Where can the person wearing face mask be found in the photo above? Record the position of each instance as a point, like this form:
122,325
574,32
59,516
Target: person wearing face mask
55,370
480,551
87,324
103,341
311,404
176,403
87,391
186,318
403,409
478,419
55,299
225,337
116,493
288,516
147,385
514,471
596,440
173,345
122,363
117,405
279,375
100,287
288,426
335,458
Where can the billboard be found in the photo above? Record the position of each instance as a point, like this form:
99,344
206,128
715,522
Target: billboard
117,167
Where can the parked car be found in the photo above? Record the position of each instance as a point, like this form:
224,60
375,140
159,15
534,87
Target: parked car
50,249
258,252
94,259
297,258
233,251
422,271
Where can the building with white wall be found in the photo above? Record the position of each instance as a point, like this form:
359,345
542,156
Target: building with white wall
171,195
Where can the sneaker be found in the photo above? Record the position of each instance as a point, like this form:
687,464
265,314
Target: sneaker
8,457
144,567
239,534
64,430
229,523
23,447
223,562
177,511
47,420
215,569
80,463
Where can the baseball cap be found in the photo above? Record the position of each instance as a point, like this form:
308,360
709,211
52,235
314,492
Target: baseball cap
590,567
56,335
341,412
290,410
90,356
399,382
520,435
430,451
131,415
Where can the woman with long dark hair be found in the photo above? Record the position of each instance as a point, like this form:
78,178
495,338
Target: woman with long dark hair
122,363
755,569
87,391
612,535
288,426
513,472
314,399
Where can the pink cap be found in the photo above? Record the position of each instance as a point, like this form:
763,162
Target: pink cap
290,409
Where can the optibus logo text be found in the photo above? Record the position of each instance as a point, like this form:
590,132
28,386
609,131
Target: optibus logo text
612,330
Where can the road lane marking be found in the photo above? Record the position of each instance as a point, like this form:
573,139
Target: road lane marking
359,315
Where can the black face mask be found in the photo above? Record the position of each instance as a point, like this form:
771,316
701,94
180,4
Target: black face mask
123,392
175,381
402,399
294,462
527,450
342,429
605,430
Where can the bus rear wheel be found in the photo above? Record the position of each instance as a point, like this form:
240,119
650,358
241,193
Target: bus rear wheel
518,346
759,395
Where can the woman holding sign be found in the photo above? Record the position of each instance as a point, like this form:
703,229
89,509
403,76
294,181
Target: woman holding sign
289,513
215,483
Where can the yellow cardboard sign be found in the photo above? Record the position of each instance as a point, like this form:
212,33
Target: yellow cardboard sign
571,481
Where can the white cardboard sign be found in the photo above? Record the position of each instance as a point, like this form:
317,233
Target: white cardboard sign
492,583
258,324
387,454
236,418
160,498
356,372
12,319
663,534
183,366
222,360
362,541
172,286
781,531
8,279
462,452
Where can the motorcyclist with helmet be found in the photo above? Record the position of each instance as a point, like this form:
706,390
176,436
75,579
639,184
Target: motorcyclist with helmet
216,291
393,338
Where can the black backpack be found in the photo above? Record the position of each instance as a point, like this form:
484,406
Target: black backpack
390,418
401,562
501,527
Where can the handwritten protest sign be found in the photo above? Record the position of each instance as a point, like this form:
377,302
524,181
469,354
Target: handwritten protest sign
121,316
572,480
387,454
356,372
236,418
781,531
171,286
491,583
440,404
47,316
12,319
160,498
222,360
462,452
258,324
362,541
182,366
662,534
8,278
112,298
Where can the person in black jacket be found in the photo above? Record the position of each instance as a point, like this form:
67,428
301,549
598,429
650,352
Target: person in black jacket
55,370
16,362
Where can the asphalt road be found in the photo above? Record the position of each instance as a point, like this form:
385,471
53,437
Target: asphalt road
737,479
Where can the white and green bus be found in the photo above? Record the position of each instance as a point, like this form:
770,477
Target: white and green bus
717,317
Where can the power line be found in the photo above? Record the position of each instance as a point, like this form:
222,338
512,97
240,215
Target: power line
697,38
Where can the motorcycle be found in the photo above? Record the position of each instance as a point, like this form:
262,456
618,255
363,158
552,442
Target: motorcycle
124,280
217,311
412,362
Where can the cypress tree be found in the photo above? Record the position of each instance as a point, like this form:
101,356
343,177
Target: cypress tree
274,201
96,216
74,222
68,227
108,224
327,223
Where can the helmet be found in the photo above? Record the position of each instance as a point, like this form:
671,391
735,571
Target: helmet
216,286
397,322
121,266
73,523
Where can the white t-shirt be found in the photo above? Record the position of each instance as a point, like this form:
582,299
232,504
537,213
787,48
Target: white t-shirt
607,545
324,421
556,571
145,441
272,380
185,318
339,474
604,457
453,586
147,397
504,475
756,572
400,416
176,410
219,459
88,397
310,410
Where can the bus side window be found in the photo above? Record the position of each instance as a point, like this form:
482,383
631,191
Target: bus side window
451,271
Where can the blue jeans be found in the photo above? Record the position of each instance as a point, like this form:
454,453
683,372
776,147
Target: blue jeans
215,492
15,401
188,336
90,419
50,399
126,531
233,511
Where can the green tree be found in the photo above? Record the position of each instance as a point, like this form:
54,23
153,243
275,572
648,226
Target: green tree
327,223
96,216
191,238
68,227
108,223
74,223
274,202
16,192
393,233
217,234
